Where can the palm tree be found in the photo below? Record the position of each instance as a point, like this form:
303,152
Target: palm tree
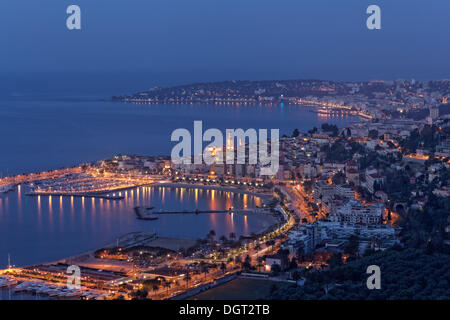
167,285
223,239
204,268
247,263
155,288
210,236
296,277
270,243
205,271
299,254
232,236
223,267
187,278
260,263
257,248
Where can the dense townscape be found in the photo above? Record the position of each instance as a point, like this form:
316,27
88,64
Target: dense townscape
373,99
375,192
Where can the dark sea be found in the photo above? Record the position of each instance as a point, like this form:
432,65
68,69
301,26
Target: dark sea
48,134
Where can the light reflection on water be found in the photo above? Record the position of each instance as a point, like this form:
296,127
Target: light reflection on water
6,294
86,130
39,229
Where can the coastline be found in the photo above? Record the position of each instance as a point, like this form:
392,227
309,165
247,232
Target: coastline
313,106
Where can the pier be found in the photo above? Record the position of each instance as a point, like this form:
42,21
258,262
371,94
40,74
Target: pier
140,211
191,211
77,195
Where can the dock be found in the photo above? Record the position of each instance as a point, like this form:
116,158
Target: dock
241,211
144,214
77,195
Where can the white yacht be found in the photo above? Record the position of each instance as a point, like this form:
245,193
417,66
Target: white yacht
7,282
6,188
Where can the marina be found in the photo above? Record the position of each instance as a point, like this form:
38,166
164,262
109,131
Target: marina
77,224
7,188
42,290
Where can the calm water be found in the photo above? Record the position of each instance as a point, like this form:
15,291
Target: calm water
39,135
5,294
39,229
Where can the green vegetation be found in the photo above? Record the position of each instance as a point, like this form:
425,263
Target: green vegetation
397,186
405,274
338,178
330,128
426,228
429,137
241,289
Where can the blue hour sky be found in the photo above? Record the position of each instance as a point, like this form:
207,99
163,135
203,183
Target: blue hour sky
232,39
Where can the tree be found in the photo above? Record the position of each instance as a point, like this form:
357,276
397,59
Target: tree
296,133
223,267
300,254
139,294
293,263
187,278
407,274
333,129
167,285
260,263
373,134
210,236
270,243
223,239
247,263
338,178
296,277
257,248
232,236
276,269
352,245
349,132
335,260
155,288
204,269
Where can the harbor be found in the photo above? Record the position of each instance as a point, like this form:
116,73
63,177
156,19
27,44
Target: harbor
13,289
62,219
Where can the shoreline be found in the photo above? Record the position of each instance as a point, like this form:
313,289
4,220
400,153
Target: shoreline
311,105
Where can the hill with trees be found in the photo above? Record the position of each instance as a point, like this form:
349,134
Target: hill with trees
405,274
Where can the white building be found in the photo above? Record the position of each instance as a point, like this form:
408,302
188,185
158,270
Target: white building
355,212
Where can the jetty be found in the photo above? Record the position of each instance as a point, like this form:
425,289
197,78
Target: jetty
78,195
191,212
144,214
